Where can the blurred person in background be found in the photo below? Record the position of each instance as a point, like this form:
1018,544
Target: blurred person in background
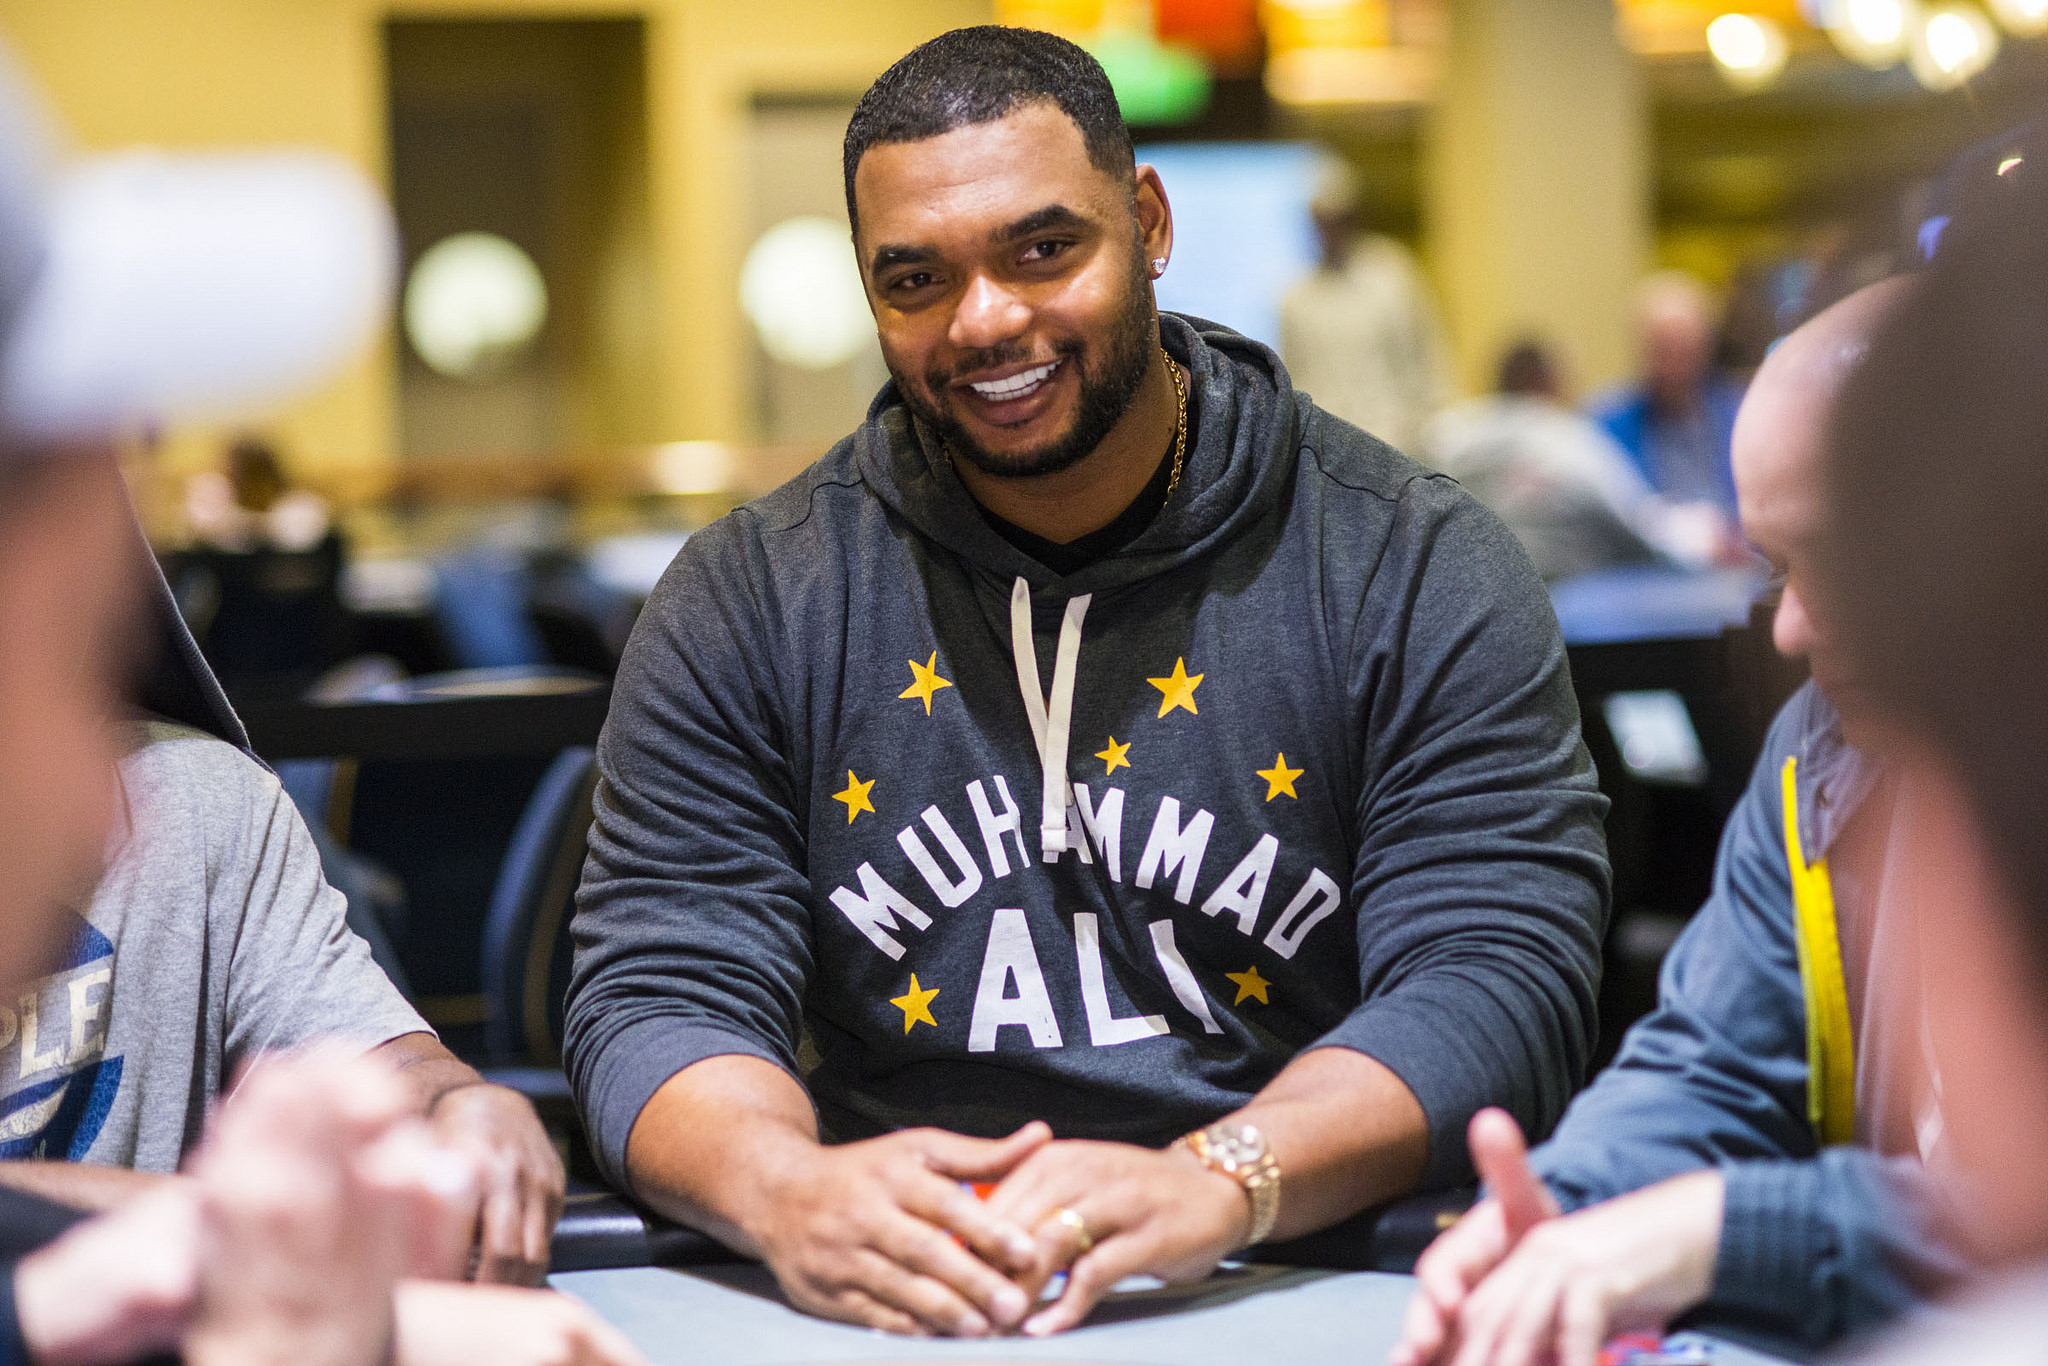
252,504
1359,333
1677,419
1758,1146
1936,566
260,584
1571,496
318,1186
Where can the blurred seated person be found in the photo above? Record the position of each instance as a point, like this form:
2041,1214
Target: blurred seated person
251,505
1225,936
1359,333
211,937
317,1186
1750,1149
1939,575
261,584
1676,421
1571,496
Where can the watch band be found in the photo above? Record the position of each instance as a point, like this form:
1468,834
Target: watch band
1239,1151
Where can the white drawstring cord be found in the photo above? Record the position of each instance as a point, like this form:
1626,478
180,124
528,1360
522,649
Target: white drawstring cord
1050,726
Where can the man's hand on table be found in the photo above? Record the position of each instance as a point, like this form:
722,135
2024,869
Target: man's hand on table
1144,1211
1515,1283
521,1178
521,1175
881,1232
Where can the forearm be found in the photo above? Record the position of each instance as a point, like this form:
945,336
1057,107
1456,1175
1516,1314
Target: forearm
79,1185
1346,1132
427,1068
718,1137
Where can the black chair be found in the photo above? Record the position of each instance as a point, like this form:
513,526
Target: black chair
526,932
433,779
267,620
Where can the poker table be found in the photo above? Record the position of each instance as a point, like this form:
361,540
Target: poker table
707,1308
733,1315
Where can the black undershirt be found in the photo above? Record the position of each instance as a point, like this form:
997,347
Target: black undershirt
1075,555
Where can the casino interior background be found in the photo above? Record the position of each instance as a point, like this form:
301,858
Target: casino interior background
629,303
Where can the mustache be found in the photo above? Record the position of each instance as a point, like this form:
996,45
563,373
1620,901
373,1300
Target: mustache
1009,353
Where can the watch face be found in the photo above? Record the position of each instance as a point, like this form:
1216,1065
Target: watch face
1237,1145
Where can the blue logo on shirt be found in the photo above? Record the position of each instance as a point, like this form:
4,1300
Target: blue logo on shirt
59,1085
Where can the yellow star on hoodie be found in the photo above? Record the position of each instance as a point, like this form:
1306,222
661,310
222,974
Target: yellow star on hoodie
925,681
916,1005
1177,689
855,796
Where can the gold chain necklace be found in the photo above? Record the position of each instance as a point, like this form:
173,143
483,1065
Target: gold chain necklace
1180,425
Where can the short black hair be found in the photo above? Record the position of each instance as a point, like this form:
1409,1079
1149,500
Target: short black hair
1934,563
981,74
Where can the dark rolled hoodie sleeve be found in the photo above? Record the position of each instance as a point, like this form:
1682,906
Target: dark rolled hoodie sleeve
1481,880
692,930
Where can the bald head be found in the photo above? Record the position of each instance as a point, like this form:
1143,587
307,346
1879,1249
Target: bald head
1779,430
1780,434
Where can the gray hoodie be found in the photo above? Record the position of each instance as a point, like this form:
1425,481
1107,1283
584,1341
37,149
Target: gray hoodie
964,842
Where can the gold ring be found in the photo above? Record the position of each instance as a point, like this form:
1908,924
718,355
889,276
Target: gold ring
1073,1220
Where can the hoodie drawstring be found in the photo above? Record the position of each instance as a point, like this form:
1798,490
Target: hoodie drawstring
1051,720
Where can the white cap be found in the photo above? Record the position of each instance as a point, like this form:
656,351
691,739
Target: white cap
153,287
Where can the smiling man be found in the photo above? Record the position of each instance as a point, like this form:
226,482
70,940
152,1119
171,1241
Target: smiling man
1101,747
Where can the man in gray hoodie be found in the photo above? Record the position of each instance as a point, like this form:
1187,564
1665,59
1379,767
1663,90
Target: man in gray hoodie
1167,793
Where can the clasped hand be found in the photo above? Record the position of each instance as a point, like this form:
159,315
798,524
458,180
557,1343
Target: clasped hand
883,1232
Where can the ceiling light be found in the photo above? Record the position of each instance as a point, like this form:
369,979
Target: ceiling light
1749,49
1954,43
1874,33
2022,18
800,285
472,303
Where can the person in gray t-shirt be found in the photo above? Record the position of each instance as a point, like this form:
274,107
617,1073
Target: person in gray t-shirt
213,937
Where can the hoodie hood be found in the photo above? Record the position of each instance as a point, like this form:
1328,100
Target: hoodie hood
1246,419
178,684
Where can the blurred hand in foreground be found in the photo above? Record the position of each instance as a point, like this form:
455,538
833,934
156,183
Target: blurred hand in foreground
1514,1283
469,1325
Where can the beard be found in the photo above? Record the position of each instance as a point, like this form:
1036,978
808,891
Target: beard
1108,385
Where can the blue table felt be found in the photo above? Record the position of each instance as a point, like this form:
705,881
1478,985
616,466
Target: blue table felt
1242,1316
1652,603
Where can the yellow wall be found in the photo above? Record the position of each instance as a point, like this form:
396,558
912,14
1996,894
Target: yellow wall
197,73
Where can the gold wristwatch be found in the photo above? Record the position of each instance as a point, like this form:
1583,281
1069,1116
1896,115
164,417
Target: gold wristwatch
1238,1150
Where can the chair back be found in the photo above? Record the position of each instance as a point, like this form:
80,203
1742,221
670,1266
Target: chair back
269,619
442,822
526,949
